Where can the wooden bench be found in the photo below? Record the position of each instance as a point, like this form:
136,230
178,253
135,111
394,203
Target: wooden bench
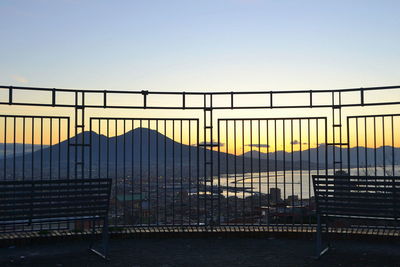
56,201
354,197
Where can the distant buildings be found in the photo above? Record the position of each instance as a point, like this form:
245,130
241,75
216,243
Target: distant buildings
275,195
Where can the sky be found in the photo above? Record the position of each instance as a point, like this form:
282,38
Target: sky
219,45
199,45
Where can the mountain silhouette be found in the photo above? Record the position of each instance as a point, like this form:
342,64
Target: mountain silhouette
139,152
362,156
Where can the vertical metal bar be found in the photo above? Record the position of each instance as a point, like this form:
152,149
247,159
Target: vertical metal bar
51,147
99,160
10,95
393,159
190,174
59,148
348,148
276,163
235,167
116,171
124,169
333,132
14,146
251,168
157,178
148,172
141,172
83,136
284,164
270,99
340,133
292,167
219,175
41,155
145,93
358,150
205,156
325,147
227,169
326,141
23,148
376,170
231,100
23,153
68,148
383,146
243,177
108,152
76,136
211,157
5,150
309,165
41,148
362,96
14,156
366,146
259,168
268,175
198,170
181,170
53,97
173,172
301,167
133,169
165,170
90,150
32,148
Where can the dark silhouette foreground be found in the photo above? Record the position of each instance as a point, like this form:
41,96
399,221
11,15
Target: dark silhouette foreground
211,251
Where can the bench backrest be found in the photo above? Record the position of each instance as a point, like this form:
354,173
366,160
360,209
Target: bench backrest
373,197
53,200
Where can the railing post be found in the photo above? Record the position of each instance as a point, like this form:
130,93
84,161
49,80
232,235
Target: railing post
79,129
184,100
105,99
145,93
362,96
10,95
53,97
208,161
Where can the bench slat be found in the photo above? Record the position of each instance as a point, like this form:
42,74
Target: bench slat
48,188
357,196
93,210
359,188
44,199
55,181
40,194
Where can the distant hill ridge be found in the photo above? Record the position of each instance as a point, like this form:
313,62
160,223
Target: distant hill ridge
145,149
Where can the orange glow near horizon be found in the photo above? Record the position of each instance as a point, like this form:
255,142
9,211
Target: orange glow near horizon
371,132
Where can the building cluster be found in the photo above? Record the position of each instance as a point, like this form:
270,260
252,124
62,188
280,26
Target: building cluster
183,203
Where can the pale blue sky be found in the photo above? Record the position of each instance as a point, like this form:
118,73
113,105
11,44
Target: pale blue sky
199,45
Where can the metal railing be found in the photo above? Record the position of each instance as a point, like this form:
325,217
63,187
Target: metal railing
200,159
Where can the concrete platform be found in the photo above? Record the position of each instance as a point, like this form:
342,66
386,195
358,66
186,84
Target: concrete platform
205,251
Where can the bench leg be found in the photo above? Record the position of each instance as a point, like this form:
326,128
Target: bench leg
318,246
104,246
93,234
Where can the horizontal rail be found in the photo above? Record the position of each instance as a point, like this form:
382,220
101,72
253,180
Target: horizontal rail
201,93
184,94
